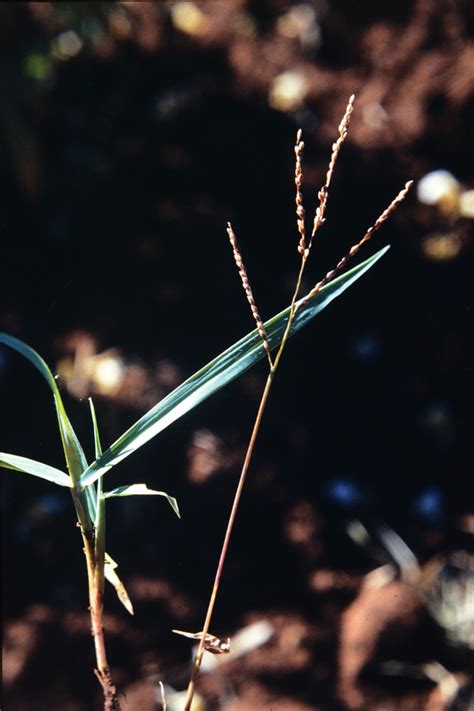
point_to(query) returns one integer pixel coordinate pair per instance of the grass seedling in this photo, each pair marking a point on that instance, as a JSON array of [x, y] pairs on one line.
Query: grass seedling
[[85, 481], [297, 307], [90, 507]]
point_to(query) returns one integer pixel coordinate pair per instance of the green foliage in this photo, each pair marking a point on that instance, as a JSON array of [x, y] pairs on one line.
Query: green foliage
[[30, 466], [73, 452], [141, 490], [220, 371]]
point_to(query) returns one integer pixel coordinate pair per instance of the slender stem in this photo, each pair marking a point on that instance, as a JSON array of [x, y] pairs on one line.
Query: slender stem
[[304, 259], [228, 533], [240, 486], [95, 600], [111, 702], [93, 551]]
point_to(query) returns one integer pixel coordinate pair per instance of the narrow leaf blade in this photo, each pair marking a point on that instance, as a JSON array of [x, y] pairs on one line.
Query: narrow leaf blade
[[31, 466], [97, 442], [142, 490], [220, 371], [98, 504], [73, 452], [100, 509]]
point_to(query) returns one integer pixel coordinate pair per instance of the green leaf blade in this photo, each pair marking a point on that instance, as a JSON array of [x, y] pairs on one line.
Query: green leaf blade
[[220, 371], [100, 509], [99, 503], [142, 490], [31, 466], [97, 442], [73, 452]]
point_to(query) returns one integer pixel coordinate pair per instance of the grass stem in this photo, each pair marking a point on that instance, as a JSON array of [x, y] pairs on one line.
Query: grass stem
[[111, 702]]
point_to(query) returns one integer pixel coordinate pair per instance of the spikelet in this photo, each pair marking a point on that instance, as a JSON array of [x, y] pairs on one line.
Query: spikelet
[[247, 289], [300, 214], [336, 147], [356, 247]]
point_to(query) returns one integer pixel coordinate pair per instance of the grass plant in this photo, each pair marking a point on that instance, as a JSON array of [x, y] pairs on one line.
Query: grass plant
[[296, 308], [85, 481]]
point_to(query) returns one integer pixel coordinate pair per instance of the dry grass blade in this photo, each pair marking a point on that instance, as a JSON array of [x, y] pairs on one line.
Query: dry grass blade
[[356, 247], [213, 644], [336, 147], [247, 289]]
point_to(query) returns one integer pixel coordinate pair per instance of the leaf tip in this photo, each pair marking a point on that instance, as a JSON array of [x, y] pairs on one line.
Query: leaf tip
[[174, 506]]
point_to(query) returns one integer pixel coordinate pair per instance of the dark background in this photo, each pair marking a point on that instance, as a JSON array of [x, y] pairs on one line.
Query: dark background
[[120, 163]]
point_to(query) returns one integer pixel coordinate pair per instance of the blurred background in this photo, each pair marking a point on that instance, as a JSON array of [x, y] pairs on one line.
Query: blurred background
[[130, 132]]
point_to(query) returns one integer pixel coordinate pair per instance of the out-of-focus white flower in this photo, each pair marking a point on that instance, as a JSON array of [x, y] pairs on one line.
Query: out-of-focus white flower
[[300, 22], [67, 44], [436, 185], [441, 247], [439, 188], [466, 204], [288, 91], [108, 372], [189, 18]]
